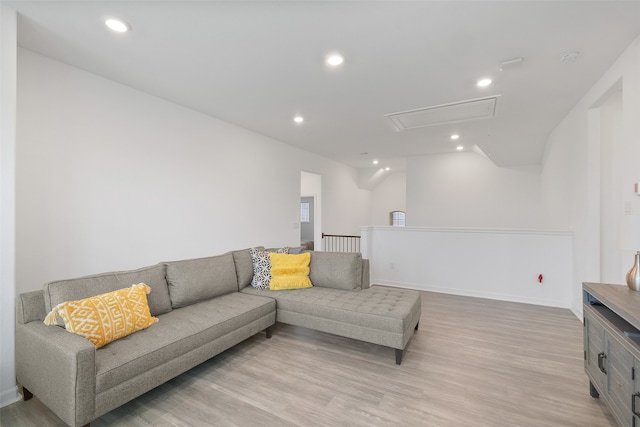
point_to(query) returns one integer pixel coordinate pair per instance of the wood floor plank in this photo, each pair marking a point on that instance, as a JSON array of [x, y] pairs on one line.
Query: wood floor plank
[[473, 362]]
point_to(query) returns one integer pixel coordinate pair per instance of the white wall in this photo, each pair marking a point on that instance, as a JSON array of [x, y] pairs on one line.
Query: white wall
[[111, 178], [350, 206], [8, 37], [389, 195], [499, 264], [467, 190], [573, 169]]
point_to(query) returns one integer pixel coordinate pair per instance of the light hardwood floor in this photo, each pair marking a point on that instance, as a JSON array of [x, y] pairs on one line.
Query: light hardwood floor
[[473, 362]]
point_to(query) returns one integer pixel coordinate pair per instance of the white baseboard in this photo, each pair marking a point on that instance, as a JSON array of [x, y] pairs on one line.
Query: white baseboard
[[7, 397], [578, 312], [476, 294]]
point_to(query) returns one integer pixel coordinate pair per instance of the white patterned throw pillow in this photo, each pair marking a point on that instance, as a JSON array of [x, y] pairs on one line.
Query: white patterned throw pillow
[[262, 267]]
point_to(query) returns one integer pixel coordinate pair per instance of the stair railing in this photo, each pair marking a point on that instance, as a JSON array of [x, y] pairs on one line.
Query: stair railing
[[340, 243]]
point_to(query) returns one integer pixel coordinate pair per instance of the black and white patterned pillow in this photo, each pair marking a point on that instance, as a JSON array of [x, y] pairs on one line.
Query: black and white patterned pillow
[[262, 267]]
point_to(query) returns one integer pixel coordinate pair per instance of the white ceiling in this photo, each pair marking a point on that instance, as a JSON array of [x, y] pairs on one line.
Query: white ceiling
[[257, 64]]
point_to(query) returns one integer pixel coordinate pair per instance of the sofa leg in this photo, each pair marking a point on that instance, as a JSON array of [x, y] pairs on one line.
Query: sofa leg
[[26, 394], [399, 356], [417, 324], [269, 331]]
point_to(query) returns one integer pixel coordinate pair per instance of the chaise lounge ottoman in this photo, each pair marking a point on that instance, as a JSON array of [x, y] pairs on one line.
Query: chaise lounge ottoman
[[342, 303]]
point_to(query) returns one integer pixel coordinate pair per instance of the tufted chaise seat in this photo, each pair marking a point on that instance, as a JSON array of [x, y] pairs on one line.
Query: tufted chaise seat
[[380, 315]]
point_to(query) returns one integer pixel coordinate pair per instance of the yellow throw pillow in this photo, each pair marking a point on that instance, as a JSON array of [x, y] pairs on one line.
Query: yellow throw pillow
[[289, 271], [106, 317]]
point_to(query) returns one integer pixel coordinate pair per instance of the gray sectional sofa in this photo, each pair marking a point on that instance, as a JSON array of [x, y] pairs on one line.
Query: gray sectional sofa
[[204, 307]]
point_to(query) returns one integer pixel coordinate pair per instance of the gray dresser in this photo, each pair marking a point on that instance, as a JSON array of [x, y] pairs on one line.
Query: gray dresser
[[612, 348]]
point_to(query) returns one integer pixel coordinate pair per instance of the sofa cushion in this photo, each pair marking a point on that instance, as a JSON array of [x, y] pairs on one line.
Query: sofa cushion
[[379, 307], [195, 280], [338, 270], [262, 266], [107, 317], [84, 287], [289, 271], [244, 266], [177, 333]]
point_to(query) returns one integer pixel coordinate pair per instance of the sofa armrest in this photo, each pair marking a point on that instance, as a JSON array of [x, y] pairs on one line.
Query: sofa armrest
[[30, 307], [58, 367], [365, 274]]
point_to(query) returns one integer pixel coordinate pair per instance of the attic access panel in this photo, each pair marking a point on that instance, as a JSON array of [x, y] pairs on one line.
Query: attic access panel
[[456, 112]]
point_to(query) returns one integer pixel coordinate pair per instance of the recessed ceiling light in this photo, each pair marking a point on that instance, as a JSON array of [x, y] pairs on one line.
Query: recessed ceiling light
[[484, 82], [298, 119], [335, 60], [387, 168], [455, 136], [459, 148], [375, 162], [117, 25]]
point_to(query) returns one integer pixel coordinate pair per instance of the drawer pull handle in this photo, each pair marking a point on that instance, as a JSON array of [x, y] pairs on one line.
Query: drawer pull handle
[[601, 359], [633, 404]]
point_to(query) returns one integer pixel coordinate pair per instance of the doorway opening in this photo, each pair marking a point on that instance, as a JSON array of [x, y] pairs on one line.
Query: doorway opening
[[307, 221], [310, 211], [607, 118]]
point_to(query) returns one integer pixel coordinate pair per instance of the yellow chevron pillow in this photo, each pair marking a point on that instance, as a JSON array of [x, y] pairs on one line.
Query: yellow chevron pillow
[[289, 271], [106, 317]]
